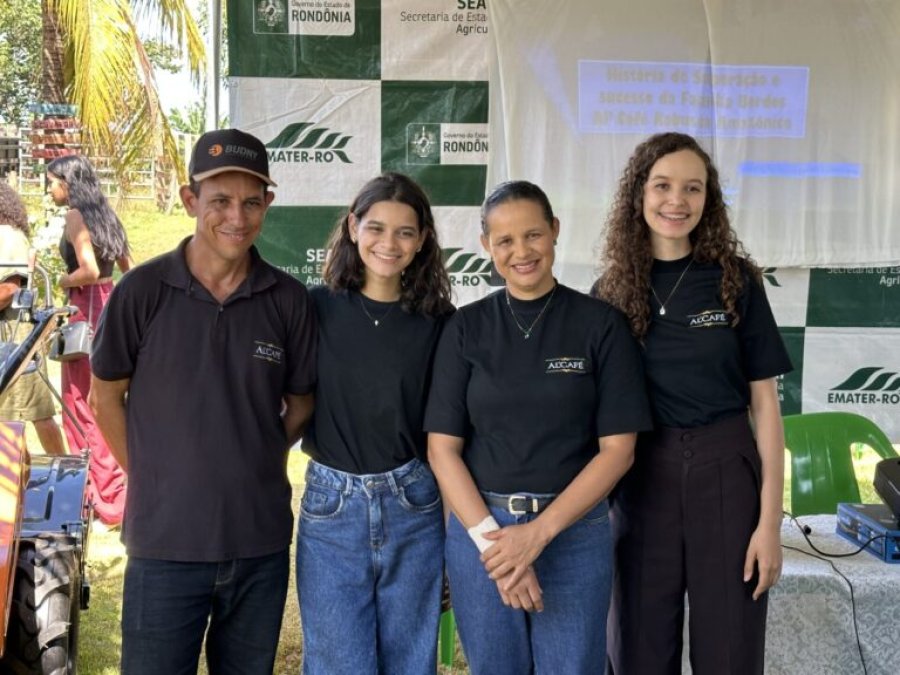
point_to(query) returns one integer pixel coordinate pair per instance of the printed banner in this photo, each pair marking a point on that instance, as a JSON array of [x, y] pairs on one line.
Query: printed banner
[[846, 369], [470, 269], [436, 132], [434, 40], [294, 237], [854, 297], [322, 136], [304, 38]]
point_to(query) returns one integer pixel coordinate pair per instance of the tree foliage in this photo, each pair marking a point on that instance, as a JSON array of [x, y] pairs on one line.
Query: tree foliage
[[20, 57], [108, 73]]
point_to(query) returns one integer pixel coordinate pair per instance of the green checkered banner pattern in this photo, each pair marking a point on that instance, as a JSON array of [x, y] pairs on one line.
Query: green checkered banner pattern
[[461, 94], [341, 90]]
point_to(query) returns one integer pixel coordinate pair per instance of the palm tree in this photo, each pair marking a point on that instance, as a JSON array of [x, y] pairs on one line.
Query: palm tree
[[94, 58]]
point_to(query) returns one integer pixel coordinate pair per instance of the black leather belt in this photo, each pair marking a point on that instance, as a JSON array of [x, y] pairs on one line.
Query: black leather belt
[[518, 504]]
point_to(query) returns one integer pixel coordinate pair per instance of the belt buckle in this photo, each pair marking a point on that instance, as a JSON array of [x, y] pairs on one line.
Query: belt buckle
[[516, 512]]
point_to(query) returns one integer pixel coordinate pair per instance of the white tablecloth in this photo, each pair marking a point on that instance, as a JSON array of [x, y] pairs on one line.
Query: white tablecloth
[[810, 625]]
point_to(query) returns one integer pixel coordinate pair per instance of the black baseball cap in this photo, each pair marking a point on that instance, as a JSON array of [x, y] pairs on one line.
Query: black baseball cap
[[224, 150]]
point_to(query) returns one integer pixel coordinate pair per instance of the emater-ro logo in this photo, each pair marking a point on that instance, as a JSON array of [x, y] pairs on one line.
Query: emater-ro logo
[[305, 143], [872, 385], [469, 269]]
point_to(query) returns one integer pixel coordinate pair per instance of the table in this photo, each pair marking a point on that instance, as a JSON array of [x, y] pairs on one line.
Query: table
[[810, 624]]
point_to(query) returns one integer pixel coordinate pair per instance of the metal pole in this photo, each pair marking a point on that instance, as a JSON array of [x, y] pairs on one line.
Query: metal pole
[[213, 56]]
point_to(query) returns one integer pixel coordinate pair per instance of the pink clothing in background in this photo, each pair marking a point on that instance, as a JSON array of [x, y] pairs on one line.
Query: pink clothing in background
[[107, 479]]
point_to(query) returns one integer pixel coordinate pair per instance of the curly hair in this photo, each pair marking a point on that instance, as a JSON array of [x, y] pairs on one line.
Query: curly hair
[[424, 284], [107, 234], [12, 210], [627, 258]]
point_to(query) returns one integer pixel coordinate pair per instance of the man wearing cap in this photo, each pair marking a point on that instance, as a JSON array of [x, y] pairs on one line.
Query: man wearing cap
[[204, 364]]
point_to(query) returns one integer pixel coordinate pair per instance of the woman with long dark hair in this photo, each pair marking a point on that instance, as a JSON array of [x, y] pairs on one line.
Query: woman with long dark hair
[[700, 511], [370, 532], [93, 242]]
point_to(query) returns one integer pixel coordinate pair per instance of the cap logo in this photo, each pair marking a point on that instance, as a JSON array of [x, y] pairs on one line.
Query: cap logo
[[215, 150]]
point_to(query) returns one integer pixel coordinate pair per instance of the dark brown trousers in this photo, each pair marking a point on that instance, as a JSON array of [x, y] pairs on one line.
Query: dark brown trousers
[[682, 519]]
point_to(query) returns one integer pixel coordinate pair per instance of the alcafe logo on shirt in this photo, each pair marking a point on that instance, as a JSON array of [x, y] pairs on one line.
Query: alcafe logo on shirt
[[709, 318], [268, 352], [567, 364], [871, 385]]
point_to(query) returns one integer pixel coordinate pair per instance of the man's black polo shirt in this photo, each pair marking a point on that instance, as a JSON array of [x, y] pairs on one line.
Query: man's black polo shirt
[[206, 445]]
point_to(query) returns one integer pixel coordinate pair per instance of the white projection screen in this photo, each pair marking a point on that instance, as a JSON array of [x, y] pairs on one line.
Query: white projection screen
[[798, 103]]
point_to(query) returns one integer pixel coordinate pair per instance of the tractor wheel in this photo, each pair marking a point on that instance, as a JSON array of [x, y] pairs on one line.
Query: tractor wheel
[[43, 621]]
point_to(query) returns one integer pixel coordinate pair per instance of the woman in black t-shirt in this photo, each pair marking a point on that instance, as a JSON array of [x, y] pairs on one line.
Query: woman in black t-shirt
[[536, 397], [370, 533], [700, 511]]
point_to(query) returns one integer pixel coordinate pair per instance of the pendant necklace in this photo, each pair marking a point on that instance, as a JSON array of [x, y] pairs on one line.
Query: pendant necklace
[[662, 305], [526, 332], [375, 320]]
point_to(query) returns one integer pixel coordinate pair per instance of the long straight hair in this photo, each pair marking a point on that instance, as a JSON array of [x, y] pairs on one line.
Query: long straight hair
[[107, 234], [424, 285]]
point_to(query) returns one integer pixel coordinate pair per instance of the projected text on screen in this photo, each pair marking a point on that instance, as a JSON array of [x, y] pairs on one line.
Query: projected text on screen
[[643, 97]]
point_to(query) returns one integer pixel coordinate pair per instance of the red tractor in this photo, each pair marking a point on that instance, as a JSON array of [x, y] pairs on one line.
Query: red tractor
[[44, 521]]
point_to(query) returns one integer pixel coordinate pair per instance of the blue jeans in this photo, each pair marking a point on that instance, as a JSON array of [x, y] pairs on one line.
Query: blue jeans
[[167, 606], [569, 636], [369, 571]]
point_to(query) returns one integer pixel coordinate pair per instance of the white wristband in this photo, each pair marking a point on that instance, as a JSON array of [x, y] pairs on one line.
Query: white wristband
[[476, 533]]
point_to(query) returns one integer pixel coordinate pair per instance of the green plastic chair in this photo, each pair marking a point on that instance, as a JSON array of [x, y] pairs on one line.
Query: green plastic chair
[[822, 473], [447, 638]]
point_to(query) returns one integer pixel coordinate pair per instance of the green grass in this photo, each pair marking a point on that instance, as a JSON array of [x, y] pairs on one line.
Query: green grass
[[100, 640]]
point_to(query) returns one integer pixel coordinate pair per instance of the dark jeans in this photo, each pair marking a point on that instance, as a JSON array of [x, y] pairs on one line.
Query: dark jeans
[[167, 607], [682, 519]]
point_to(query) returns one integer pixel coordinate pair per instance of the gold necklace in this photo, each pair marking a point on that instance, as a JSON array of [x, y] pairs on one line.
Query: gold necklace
[[526, 332], [662, 305]]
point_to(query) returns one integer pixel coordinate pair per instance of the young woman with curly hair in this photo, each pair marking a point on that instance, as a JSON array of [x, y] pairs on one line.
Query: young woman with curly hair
[[370, 533], [93, 242], [700, 511]]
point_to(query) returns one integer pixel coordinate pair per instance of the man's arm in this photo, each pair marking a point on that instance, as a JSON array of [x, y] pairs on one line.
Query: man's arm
[[107, 400], [297, 412]]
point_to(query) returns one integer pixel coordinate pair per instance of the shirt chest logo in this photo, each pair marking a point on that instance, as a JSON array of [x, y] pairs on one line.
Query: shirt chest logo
[[577, 365], [268, 352], [710, 318]]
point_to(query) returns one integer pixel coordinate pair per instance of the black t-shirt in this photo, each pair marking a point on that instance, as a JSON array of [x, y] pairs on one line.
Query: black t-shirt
[[531, 410], [370, 399], [67, 252], [699, 367], [206, 443]]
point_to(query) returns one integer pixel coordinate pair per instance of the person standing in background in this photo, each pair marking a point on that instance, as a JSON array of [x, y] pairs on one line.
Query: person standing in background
[[93, 242], [29, 398], [700, 511], [370, 534]]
